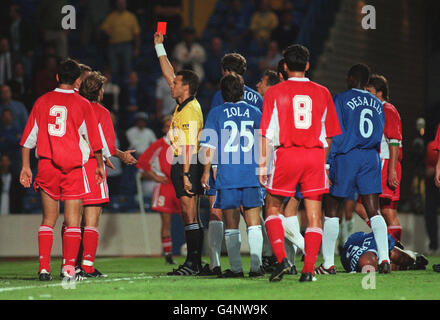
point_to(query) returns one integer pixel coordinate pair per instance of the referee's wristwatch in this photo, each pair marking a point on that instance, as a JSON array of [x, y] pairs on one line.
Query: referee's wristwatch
[[187, 174]]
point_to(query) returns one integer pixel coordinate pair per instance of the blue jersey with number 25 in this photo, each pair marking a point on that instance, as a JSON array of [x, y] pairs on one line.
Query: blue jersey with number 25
[[362, 120], [231, 129]]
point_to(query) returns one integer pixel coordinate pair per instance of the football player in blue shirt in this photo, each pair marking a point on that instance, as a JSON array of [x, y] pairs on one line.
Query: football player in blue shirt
[[230, 129], [355, 166], [359, 254], [236, 63]]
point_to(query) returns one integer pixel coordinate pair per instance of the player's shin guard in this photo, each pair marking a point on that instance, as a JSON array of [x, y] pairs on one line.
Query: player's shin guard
[[275, 233], [233, 245], [255, 239], [90, 245], [313, 238], [329, 238], [71, 243], [45, 241], [381, 236], [395, 232], [215, 238], [291, 225]]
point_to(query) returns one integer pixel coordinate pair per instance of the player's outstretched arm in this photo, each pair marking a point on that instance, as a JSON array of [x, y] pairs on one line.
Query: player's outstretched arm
[[26, 172], [437, 172], [208, 155], [262, 163], [126, 157], [165, 65]]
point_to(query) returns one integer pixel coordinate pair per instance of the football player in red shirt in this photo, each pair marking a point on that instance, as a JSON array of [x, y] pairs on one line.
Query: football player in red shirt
[[92, 88], [390, 155], [299, 120], [55, 126], [153, 165]]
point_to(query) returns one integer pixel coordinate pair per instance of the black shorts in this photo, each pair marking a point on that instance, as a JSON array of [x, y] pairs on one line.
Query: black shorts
[[195, 170]]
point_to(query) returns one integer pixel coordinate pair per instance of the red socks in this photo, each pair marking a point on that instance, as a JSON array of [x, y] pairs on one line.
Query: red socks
[[167, 245], [71, 242], [275, 233], [45, 240], [90, 245], [395, 232], [312, 239]]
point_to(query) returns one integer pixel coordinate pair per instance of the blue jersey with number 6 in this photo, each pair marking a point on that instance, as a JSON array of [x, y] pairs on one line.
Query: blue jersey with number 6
[[362, 120], [231, 130]]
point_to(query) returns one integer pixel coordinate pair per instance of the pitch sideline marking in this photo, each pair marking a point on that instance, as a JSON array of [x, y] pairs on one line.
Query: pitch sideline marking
[[77, 282]]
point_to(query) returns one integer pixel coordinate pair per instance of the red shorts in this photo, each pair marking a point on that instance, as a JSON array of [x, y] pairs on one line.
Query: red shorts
[[98, 192], [164, 199], [387, 192], [298, 166], [73, 185]]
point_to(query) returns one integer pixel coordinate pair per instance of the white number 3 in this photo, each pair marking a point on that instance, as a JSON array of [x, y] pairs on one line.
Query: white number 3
[[59, 128], [302, 110]]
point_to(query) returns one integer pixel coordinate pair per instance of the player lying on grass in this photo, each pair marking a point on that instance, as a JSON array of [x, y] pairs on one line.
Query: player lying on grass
[[360, 251]]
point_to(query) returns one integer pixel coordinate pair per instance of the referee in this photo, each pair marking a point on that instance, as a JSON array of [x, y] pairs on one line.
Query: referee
[[186, 171]]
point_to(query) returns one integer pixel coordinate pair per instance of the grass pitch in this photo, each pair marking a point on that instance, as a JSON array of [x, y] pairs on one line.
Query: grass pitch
[[145, 279]]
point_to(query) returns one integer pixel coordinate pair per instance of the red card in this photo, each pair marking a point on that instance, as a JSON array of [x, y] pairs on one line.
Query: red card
[[162, 28]]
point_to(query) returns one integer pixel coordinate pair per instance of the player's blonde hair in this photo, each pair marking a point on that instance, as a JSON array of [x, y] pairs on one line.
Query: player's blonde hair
[[92, 85]]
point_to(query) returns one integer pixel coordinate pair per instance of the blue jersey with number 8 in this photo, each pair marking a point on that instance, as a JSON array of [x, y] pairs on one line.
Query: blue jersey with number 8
[[362, 120], [231, 130]]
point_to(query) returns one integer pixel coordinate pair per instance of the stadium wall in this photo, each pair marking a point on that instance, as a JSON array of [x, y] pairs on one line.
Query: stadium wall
[[139, 235]]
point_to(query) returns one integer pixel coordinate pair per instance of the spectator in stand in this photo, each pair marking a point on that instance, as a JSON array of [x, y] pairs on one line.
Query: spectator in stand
[[132, 100], [111, 92], [235, 24], [165, 104], [432, 202], [46, 78], [19, 112], [189, 54], [20, 86], [95, 13], [9, 135], [263, 22], [213, 65], [139, 136], [287, 32], [273, 56], [49, 18], [11, 193], [122, 28], [5, 61], [171, 12]]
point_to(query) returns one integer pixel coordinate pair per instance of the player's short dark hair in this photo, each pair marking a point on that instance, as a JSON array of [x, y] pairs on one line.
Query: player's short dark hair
[[232, 87], [68, 71], [281, 70], [296, 57], [84, 69], [92, 85], [190, 78], [380, 83], [360, 73], [272, 77], [234, 62]]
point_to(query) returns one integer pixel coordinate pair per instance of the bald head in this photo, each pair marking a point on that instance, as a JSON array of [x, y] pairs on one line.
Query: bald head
[[368, 259]]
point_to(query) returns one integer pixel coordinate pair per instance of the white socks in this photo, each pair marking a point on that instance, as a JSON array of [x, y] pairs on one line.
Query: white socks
[[267, 248], [233, 244], [292, 231], [381, 236], [290, 251], [329, 237], [346, 230], [215, 238], [255, 239]]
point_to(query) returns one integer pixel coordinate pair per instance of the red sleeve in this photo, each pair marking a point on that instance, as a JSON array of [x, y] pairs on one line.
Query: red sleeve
[[431, 155], [30, 133], [109, 132], [268, 112], [437, 139], [92, 127], [145, 160], [332, 126], [393, 125]]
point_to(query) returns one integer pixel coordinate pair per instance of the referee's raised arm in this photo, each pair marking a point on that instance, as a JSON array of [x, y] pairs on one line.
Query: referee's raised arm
[[165, 65]]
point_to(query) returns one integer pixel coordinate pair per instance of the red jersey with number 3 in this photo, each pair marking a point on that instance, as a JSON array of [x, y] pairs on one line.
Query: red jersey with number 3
[[56, 125], [299, 112]]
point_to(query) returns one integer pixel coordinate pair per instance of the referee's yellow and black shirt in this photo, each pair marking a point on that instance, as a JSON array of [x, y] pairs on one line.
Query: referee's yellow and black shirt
[[186, 124]]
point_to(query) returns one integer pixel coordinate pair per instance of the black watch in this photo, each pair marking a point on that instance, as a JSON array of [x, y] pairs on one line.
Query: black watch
[[187, 174]]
